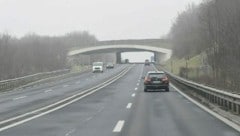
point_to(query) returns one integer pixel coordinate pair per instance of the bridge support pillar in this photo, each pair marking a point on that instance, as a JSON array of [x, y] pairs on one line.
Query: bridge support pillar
[[155, 57], [118, 58], [159, 58]]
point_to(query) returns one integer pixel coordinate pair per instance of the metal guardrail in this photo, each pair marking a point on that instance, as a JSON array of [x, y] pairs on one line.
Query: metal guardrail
[[13, 83], [225, 100], [40, 111]]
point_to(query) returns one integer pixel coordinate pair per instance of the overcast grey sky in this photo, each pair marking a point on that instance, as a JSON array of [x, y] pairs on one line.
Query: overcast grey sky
[[107, 19]]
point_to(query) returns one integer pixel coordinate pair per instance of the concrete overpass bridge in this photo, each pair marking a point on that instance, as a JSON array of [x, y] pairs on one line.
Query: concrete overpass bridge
[[160, 48], [149, 42]]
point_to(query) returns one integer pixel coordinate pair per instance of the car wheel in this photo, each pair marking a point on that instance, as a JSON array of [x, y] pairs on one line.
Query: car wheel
[[167, 89], [145, 89]]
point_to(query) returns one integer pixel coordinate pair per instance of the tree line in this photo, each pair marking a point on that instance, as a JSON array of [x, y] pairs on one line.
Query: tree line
[[212, 27], [33, 53]]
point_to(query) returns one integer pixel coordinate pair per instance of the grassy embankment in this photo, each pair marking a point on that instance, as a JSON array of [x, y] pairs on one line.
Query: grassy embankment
[[79, 68], [194, 63]]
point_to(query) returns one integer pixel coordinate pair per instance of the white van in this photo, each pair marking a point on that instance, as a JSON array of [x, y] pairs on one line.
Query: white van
[[97, 67]]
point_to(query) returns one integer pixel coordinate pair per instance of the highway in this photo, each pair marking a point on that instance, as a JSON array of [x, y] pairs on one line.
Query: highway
[[120, 108]]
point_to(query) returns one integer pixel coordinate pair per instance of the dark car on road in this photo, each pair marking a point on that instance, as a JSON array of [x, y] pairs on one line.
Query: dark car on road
[[109, 65], [147, 63], [156, 80]]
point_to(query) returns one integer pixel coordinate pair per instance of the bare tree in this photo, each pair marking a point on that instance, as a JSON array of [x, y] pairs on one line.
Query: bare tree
[[213, 27], [32, 53]]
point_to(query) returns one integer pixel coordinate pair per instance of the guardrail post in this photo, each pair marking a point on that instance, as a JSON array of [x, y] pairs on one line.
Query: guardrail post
[[238, 109], [234, 107], [212, 98], [226, 104], [207, 96], [215, 99], [226, 100], [218, 101], [13, 83], [230, 105]]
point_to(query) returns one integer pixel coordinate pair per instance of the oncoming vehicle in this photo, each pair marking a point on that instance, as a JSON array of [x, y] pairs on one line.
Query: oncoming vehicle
[[147, 63], [156, 80], [97, 67], [109, 65]]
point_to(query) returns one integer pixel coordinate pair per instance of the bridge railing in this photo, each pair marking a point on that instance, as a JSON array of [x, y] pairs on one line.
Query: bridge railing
[[13, 83], [209, 95]]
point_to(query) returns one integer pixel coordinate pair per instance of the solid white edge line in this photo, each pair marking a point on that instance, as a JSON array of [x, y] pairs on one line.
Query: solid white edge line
[[1, 122], [115, 78], [119, 126], [216, 115], [129, 105]]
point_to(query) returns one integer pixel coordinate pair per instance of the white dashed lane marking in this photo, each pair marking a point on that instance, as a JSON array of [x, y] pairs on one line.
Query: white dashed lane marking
[[65, 86], [78, 82], [223, 119], [100, 109], [129, 106], [49, 90], [133, 95], [89, 118], [119, 126], [70, 132], [21, 97], [136, 88]]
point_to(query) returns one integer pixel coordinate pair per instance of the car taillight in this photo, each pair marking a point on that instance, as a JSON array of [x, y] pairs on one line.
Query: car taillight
[[165, 80], [147, 79]]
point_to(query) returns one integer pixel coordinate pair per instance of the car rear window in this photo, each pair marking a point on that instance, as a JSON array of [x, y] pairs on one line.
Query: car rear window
[[97, 64], [156, 75]]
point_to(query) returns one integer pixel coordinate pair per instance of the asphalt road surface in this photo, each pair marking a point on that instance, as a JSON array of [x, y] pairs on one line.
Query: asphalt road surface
[[119, 109]]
